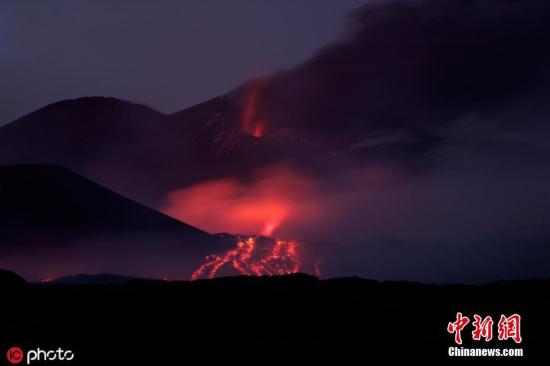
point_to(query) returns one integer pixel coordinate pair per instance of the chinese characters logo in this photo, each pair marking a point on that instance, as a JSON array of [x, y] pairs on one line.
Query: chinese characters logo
[[509, 327]]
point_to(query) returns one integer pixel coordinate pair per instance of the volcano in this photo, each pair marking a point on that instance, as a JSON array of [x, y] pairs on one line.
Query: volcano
[[139, 152], [424, 126]]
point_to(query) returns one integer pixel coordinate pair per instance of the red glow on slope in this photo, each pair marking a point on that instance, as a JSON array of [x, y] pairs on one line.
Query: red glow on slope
[[254, 256], [251, 123], [277, 200], [273, 223]]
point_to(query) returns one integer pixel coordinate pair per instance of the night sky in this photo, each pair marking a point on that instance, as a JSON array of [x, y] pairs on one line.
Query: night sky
[[168, 54]]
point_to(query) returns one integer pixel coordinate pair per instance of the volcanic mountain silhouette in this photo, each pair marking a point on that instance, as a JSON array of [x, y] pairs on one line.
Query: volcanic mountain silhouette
[[405, 73], [55, 222], [134, 150]]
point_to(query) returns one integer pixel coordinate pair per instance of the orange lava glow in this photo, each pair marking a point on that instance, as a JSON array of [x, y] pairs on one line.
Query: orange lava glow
[[251, 123], [278, 201], [254, 256]]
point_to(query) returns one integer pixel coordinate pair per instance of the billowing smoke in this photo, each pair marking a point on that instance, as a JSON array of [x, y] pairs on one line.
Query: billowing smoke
[[425, 134], [277, 200], [414, 67]]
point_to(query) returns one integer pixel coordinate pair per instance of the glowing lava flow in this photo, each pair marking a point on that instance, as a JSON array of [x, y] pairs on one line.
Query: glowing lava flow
[[251, 124], [254, 256]]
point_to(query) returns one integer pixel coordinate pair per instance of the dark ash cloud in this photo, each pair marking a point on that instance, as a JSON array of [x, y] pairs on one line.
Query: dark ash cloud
[[415, 66]]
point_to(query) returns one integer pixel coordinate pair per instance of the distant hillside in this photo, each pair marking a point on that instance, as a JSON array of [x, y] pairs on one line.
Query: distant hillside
[[87, 279], [10, 280], [55, 214]]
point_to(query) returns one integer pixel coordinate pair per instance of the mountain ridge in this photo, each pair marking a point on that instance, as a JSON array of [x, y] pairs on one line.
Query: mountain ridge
[[60, 217]]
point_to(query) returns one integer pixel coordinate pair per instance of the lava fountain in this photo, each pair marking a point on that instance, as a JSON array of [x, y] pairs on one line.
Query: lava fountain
[[252, 123]]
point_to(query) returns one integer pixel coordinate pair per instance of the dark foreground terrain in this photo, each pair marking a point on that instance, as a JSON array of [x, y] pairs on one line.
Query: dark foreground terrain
[[287, 320]]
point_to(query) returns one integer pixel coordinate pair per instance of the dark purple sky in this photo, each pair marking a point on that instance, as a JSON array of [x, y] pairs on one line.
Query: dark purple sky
[[167, 54]]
